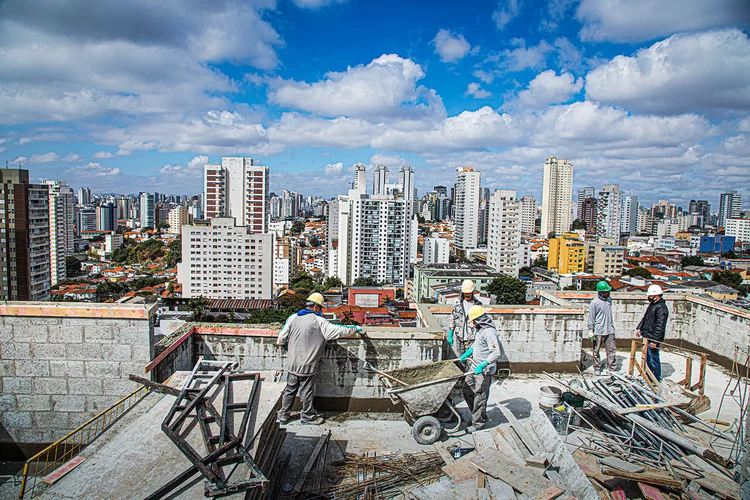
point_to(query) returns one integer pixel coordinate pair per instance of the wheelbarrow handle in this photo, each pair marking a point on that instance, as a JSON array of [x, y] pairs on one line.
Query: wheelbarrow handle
[[383, 374]]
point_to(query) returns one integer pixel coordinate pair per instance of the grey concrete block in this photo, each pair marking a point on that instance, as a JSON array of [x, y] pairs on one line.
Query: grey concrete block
[[97, 404], [17, 385], [66, 368], [119, 387], [66, 334], [79, 418], [51, 420], [20, 350], [32, 368], [48, 351], [44, 321], [133, 335], [142, 353], [7, 402], [102, 369], [84, 352], [33, 403], [7, 368], [85, 386], [68, 403], [126, 369], [50, 385], [31, 436], [116, 352], [6, 334], [17, 419], [98, 333], [30, 333]]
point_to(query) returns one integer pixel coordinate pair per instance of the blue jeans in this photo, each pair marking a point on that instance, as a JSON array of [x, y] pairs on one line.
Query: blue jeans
[[652, 359]]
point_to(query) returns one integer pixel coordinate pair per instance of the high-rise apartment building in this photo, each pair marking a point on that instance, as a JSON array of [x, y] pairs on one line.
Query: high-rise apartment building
[[566, 254], [178, 217], [703, 209], [664, 210], [123, 208], [225, 261], [61, 224], [106, 219], [739, 228], [84, 196], [467, 208], [25, 244], [86, 220], [528, 214], [608, 207], [380, 178], [557, 196], [504, 232], [148, 210], [730, 204], [237, 188], [441, 191], [583, 193], [360, 178], [588, 215], [629, 215], [436, 250]]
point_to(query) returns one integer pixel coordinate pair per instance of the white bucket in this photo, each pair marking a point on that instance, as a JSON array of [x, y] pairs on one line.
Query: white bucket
[[549, 396]]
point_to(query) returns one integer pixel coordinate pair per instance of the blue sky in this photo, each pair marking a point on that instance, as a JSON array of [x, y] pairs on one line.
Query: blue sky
[[137, 95]]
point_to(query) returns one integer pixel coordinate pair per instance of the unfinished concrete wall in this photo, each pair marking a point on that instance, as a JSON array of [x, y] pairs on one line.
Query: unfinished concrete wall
[[173, 353], [61, 364], [534, 337]]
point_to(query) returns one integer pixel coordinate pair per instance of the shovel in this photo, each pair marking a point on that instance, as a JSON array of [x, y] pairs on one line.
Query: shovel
[[367, 366]]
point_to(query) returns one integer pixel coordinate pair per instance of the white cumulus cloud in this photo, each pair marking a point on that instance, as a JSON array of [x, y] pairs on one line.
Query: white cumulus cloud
[[474, 89], [334, 168], [103, 155], [450, 47], [549, 88], [506, 11]]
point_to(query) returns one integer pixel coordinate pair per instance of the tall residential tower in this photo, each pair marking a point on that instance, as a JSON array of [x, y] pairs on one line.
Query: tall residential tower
[[557, 196]]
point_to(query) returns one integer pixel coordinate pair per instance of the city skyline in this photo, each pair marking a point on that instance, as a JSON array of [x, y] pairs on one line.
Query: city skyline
[[660, 109]]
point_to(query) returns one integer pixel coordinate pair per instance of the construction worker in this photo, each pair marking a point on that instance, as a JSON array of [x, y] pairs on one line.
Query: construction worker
[[653, 326], [480, 359], [306, 334], [601, 326], [461, 332]]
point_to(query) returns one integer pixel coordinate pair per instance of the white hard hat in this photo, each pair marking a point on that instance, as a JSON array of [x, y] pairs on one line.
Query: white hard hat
[[654, 290], [317, 299], [467, 286]]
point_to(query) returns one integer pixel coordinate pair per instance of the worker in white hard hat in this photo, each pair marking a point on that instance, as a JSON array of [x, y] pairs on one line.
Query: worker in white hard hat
[[653, 326], [461, 330], [306, 334], [481, 362]]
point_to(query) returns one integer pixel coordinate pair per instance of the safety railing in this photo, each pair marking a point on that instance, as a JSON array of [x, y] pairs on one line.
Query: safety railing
[[64, 449]]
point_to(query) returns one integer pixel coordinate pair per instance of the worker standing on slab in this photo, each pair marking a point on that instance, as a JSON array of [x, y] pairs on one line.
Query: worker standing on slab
[[653, 326], [602, 327], [461, 333], [481, 361], [306, 334]]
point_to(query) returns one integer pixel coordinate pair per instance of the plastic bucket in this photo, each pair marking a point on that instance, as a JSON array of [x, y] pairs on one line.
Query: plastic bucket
[[549, 396], [573, 399]]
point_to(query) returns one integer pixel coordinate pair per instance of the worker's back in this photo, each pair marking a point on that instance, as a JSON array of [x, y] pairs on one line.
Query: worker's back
[[306, 344]]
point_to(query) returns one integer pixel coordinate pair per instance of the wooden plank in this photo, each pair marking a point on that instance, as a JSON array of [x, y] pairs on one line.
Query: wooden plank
[[650, 493], [462, 467], [652, 476], [483, 440], [500, 490], [643, 407], [618, 494], [688, 372], [495, 464], [503, 446], [443, 452], [633, 347], [528, 438], [311, 461], [540, 460], [590, 467], [618, 463], [555, 477], [645, 377], [515, 438], [683, 471], [720, 485], [64, 469]]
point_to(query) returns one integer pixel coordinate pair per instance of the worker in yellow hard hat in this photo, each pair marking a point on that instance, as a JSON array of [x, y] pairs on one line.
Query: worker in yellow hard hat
[[481, 362], [306, 334], [461, 330]]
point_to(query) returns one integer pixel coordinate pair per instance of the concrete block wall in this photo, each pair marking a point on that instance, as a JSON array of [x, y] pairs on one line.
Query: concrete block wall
[[61, 364], [534, 338]]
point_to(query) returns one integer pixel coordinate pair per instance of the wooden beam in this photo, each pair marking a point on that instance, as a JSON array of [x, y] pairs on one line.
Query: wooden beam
[[633, 348], [521, 478], [688, 372], [645, 407]]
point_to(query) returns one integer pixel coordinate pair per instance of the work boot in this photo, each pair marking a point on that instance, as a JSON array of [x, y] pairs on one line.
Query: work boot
[[283, 419], [315, 421]]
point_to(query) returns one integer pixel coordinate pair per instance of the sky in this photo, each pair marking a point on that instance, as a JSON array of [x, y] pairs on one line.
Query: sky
[[137, 95]]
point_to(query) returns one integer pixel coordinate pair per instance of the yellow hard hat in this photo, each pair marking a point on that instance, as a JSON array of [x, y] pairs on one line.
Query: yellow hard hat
[[317, 299], [467, 286], [475, 312]]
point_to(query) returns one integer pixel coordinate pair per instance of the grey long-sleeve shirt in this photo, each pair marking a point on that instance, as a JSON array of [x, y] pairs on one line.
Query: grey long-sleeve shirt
[[487, 346], [600, 316]]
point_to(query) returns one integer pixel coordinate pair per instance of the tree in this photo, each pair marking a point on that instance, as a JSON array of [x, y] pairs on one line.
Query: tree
[[147, 228], [526, 272], [508, 290], [365, 282], [298, 227], [727, 278], [332, 282], [570, 287], [744, 290], [578, 224], [314, 241], [692, 260], [731, 254], [292, 301], [638, 272], [540, 261], [551, 236], [302, 280], [72, 266], [198, 307], [588, 286], [109, 290], [420, 219]]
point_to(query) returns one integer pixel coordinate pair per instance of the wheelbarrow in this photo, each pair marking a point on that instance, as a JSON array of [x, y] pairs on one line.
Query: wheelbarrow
[[424, 392]]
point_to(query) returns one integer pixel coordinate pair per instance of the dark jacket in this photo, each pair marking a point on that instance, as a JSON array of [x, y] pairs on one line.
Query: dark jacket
[[654, 322]]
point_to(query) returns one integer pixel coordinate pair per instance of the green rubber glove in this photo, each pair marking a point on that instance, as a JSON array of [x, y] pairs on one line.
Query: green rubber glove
[[358, 329], [591, 336], [479, 369], [450, 337], [466, 355]]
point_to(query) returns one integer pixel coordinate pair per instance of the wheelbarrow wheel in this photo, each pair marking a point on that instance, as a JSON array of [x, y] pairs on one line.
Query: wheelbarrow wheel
[[426, 430]]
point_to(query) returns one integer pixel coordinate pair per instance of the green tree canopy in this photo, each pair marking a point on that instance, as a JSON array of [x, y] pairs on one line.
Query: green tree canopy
[[72, 266], [314, 241], [366, 282], [298, 227], [578, 224], [727, 278], [198, 307], [526, 272], [292, 301], [692, 260], [638, 272], [332, 282], [540, 261], [508, 290]]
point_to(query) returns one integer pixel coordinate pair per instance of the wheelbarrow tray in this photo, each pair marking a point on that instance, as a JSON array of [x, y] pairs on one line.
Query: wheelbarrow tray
[[429, 385]]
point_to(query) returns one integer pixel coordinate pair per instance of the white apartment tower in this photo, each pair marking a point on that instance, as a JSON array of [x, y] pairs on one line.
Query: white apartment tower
[[61, 223], [504, 236], [178, 217], [436, 250], [84, 196], [467, 208], [528, 214], [148, 210], [360, 178], [380, 179], [225, 261], [730, 203], [608, 218], [237, 188], [557, 196], [629, 215]]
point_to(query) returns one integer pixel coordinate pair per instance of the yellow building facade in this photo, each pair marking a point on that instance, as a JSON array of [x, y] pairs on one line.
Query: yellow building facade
[[566, 254]]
